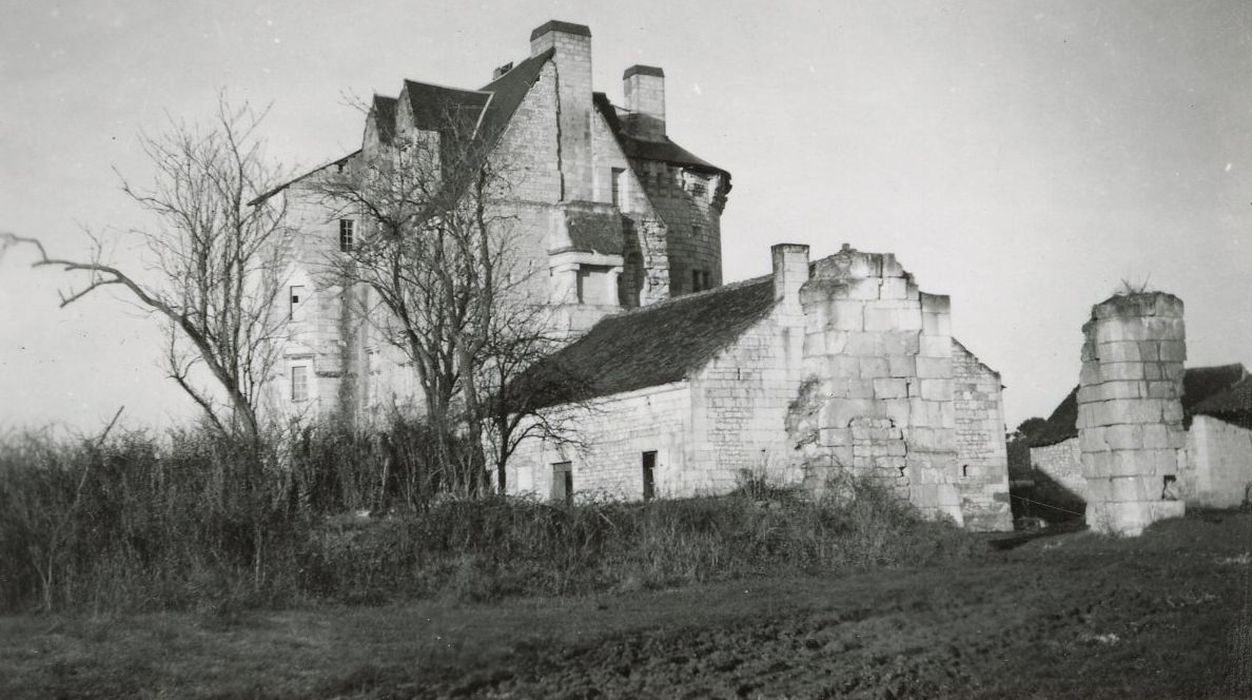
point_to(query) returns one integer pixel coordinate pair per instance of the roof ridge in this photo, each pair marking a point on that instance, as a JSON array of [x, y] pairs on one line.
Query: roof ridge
[[671, 301], [445, 87]]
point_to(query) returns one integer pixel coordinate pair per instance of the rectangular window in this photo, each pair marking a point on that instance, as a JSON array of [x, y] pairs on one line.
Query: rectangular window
[[619, 186], [347, 234], [299, 383], [699, 280], [297, 293], [649, 476], [563, 483], [697, 231]]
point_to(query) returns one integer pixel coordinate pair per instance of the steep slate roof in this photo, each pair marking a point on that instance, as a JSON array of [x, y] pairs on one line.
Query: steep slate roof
[[1198, 385], [507, 93], [384, 115], [655, 345], [1234, 405], [433, 106], [665, 151]]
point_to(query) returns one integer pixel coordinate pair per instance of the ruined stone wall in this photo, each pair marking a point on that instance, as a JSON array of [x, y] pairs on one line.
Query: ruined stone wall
[[982, 454], [1130, 412], [740, 402], [1221, 460], [1062, 463], [616, 432], [880, 402]]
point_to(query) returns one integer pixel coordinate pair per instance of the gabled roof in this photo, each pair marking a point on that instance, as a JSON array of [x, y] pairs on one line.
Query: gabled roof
[[384, 115], [507, 93], [1198, 385], [439, 108], [279, 188], [1233, 405], [663, 150], [651, 346]]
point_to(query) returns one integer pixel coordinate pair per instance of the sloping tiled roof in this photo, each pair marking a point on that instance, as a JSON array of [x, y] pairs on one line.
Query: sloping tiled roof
[[1233, 405], [665, 150], [507, 93], [279, 188], [1198, 385], [434, 107], [384, 116], [646, 347]]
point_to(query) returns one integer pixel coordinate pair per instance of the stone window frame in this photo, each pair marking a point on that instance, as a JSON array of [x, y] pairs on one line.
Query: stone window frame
[[299, 383]]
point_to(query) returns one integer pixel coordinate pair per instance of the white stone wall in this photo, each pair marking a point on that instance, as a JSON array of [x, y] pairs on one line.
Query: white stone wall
[[1221, 458], [612, 435], [740, 401], [1062, 463], [982, 454]]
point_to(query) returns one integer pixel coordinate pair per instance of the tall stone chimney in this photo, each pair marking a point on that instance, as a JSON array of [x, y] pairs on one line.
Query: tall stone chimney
[[791, 270], [644, 88], [571, 44]]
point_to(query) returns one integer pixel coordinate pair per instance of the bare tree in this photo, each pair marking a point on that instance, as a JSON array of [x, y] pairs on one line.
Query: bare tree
[[213, 269], [440, 256]]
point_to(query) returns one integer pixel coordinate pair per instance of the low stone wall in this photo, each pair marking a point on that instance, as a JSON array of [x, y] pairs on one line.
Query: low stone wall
[[1221, 457], [1061, 463]]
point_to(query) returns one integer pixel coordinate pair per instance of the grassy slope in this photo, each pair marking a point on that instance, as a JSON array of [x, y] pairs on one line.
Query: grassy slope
[[1076, 615]]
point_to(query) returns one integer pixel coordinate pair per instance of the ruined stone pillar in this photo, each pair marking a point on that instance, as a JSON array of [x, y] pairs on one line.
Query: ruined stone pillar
[[1130, 411]]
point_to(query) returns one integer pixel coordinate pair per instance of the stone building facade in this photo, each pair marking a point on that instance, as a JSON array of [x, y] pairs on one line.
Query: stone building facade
[[1142, 437], [820, 369], [608, 213]]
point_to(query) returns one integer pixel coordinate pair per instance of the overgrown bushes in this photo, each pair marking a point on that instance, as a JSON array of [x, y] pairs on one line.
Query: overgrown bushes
[[136, 522]]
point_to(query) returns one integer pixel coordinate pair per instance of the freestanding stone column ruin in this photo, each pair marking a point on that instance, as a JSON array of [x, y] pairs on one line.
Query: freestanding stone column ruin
[[1130, 413]]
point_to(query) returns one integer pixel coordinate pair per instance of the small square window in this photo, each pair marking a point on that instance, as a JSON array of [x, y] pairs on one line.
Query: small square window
[[297, 293], [299, 383], [347, 234], [699, 280]]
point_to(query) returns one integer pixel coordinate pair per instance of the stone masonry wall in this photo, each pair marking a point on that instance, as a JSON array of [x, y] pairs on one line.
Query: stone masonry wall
[[982, 454], [880, 401], [740, 402], [1221, 459], [1130, 412], [616, 432], [1062, 463]]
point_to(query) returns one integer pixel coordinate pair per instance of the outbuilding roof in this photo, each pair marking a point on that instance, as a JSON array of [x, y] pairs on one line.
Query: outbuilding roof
[[1199, 384], [651, 346]]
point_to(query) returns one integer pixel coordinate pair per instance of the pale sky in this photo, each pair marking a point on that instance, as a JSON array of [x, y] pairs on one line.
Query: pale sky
[[1023, 157]]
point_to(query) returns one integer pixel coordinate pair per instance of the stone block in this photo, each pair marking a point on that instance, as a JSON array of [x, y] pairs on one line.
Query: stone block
[[1092, 439], [864, 344], [936, 324], [1162, 389], [862, 289], [1173, 350], [901, 365], [1148, 351], [839, 413], [835, 437], [893, 287], [890, 388], [842, 366], [935, 346], [1171, 411], [1152, 371], [1118, 351], [872, 367], [891, 267], [1130, 518], [898, 410], [936, 303], [844, 315], [1122, 437], [900, 342], [1121, 371], [1089, 374], [1172, 371], [934, 368], [936, 389]]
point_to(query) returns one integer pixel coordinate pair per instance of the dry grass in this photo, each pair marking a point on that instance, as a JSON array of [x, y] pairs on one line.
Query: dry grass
[[1069, 616]]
